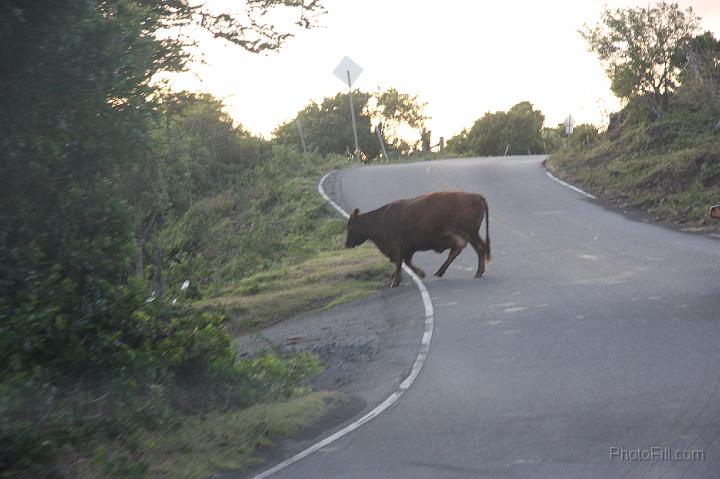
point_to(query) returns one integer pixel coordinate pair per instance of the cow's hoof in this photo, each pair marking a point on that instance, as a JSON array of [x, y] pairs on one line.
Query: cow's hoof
[[420, 273], [394, 285], [478, 274], [439, 273]]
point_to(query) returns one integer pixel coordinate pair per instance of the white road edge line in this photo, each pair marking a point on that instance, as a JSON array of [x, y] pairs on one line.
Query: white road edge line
[[568, 185], [392, 399]]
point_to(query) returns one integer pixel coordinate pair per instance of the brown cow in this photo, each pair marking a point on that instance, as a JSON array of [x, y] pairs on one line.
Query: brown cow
[[435, 221]]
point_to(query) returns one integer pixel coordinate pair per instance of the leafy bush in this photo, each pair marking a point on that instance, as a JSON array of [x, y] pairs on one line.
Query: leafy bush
[[181, 364]]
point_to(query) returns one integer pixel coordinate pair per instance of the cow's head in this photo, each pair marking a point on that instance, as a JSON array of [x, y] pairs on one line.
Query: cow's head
[[355, 231], [715, 212]]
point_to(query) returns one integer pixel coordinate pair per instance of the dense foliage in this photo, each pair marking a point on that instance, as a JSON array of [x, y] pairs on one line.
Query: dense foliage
[[96, 163], [514, 132]]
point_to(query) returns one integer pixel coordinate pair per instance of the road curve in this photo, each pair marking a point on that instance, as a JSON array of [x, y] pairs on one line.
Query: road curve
[[588, 332]]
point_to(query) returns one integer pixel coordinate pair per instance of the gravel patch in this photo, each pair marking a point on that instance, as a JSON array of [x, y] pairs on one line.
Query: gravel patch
[[367, 346]]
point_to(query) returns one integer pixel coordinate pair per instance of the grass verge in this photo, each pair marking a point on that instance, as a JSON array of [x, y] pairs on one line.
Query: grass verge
[[321, 281], [202, 445]]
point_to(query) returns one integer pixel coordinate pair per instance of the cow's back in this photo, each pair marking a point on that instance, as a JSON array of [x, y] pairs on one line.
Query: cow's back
[[427, 221]]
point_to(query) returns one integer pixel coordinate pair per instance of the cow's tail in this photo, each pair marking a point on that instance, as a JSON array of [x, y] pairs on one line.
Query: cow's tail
[[488, 257]]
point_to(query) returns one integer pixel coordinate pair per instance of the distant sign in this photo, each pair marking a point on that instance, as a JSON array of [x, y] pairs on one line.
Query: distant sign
[[569, 125], [346, 65]]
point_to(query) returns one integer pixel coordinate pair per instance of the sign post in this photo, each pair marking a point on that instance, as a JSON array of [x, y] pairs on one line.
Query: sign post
[[348, 71], [352, 115]]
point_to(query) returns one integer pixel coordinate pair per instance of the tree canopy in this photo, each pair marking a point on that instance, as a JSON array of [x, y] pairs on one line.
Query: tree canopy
[[640, 48], [515, 132], [396, 111], [327, 126]]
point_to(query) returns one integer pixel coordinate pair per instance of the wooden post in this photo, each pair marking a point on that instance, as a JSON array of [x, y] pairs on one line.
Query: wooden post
[[302, 140], [382, 143]]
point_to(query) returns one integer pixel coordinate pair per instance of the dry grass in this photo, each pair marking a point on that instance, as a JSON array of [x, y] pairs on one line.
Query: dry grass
[[323, 281], [218, 441]]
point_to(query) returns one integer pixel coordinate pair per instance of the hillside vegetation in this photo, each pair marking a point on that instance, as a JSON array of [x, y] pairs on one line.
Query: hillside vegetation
[[661, 152], [141, 229], [669, 167]]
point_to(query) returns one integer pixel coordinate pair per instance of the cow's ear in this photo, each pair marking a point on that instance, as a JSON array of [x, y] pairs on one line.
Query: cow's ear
[[355, 213]]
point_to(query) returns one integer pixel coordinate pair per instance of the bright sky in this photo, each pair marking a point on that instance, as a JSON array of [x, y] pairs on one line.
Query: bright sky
[[463, 58]]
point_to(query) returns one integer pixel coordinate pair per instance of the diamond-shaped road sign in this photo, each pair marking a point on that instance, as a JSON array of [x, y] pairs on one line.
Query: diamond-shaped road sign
[[346, 65]]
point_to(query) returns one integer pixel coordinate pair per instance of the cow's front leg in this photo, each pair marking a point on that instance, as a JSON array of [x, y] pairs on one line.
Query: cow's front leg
[[418, 271], [397, 276]]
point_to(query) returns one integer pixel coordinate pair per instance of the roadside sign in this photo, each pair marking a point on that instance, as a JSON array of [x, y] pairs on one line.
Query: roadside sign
[[348, 71], [569, 125], [345, 67]]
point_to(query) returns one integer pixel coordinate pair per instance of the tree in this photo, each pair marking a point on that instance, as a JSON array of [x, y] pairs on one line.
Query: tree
[[78, 175], [640, 47], [700, 62], [195, 151], [515, 132], [77, 106], [396, 111], [327, 126]]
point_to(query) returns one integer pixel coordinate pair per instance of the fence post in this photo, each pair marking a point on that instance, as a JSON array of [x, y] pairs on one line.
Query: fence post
[[302, 140], [382, 143]]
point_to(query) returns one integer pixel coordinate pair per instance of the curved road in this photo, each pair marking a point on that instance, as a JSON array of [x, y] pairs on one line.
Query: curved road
[[588, 332]]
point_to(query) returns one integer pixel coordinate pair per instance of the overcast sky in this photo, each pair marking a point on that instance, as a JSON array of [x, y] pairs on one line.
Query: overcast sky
[[463, 58]]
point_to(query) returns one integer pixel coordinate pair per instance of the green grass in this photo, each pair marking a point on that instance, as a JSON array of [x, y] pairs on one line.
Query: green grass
[[321, 281], [217, 441], [270, 249]]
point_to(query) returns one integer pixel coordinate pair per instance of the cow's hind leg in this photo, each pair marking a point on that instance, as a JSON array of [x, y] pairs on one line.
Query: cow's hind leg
[[479, 246], [418, 271], [454, 252]]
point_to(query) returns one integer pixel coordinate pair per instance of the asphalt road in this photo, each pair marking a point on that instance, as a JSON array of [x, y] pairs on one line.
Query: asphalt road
[[588, 332]]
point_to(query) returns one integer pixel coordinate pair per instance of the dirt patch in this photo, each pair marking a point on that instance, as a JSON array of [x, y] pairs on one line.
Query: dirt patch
[[367, 347], [364, 344]]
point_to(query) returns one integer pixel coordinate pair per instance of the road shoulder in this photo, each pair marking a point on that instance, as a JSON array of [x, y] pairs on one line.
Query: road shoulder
[[367, 347]]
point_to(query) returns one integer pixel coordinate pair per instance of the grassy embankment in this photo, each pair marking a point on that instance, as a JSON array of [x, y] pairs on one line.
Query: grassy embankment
[[667, 167], [203, 445], [273, 250], [268, 252], [254, 255]]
